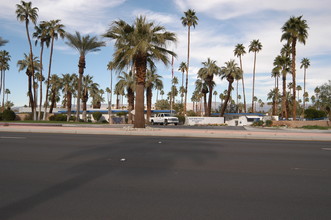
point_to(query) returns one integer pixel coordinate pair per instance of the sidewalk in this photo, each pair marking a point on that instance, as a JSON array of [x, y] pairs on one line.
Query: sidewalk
[[248, 133]]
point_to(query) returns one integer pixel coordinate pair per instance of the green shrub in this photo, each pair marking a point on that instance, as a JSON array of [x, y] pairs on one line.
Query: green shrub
[[181, 119], [311, 113], [258, 123], [268, 123], [97, 115], [8, 115], [58, 117], [1, 116]]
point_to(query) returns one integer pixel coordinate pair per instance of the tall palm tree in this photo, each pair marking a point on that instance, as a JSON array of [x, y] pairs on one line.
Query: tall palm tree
[[25, 64], [305, 63], [126, 81], [139, 44], [255, 47], [276, 74], [189, 19], [69, 82], [295, 30], [230, 71], [239, 51], [152, 78], [207, 74], [110, 66], [3, 42], [183, 69], [7, 92], [26, 13], [298, 88], [41, 34], [4, 65], [55, 30], [84, 45]]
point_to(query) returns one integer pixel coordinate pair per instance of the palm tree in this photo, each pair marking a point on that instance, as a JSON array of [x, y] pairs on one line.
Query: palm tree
[[110, 66], [41, 34], [230, 71], [4, 65], [3, 42], [183, 69], [207, 74], [126, 81], [295, 30], [255, 47], [56, 84], [305, 63], [239, 51], [215, 93], [26, 13], [136, 45], [55, 30], [26, 65], [69, 86], [151, 80], [202, 88], [7, 92], [298, 88], [189, 19], [88, 87], [84, 45]]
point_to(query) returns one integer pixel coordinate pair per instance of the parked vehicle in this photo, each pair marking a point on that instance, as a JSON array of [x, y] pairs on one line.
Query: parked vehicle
[[164, 119]]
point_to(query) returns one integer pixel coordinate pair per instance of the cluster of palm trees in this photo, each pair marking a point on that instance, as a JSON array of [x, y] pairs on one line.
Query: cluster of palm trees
[[294, 30], [4, 65], [136, 49]]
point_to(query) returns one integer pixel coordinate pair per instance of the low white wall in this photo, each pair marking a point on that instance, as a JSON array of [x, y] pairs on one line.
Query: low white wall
[[203, 120]]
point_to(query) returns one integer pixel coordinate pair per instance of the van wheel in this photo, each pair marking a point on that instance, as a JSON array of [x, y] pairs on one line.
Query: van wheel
[[152, 122], [166, 122]]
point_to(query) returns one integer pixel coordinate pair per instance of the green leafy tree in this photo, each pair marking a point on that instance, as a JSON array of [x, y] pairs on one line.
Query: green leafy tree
[[84, 45], [88, 87], [139, 44], [255, 47], [295, 30], [4, 65], [188, 20], [56, 84], [152, 79], [69, 82], [183, 69]]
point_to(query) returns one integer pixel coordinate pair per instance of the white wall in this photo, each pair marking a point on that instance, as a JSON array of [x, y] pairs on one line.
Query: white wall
[[203, 120]]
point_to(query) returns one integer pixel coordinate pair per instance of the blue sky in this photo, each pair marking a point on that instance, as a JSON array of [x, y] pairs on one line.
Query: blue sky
[[222, 25]]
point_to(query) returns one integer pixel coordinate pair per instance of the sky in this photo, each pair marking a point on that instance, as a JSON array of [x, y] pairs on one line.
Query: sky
[[222, 24]]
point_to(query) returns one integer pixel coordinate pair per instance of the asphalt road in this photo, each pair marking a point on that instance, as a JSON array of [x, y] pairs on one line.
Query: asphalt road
[[62, 176]]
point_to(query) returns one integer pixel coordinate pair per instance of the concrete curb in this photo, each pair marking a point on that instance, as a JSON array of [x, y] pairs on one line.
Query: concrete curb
[[253, 133]]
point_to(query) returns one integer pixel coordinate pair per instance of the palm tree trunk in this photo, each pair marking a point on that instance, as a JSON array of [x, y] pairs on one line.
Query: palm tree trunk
[[33, 110], [226, 98], [188, 66], [141, 63], [149, 103], [210, 100], [52, 102], [284, 109], [40, 81], [205, 103], [253, 82], [48, 77], [69, 97], [243, 83], [81, 66], [130, 105], [4, 90], [304, 89], [294, 110]]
